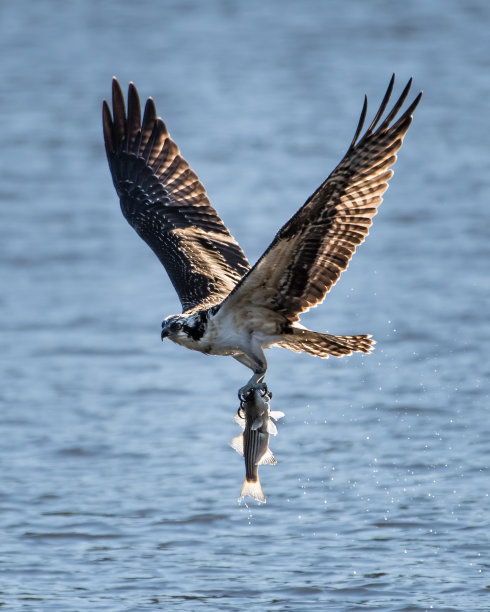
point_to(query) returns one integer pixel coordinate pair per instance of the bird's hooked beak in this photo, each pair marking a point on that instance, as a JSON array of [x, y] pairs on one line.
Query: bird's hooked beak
[[164, 333]]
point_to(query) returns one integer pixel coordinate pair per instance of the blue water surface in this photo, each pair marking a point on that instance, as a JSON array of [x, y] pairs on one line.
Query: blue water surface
[[119, 490]]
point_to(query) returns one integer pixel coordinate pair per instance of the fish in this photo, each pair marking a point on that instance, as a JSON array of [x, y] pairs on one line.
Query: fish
[[254, 417]]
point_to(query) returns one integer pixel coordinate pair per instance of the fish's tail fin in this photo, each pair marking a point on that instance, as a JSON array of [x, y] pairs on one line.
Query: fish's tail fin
[[253, 488], [323, 345]]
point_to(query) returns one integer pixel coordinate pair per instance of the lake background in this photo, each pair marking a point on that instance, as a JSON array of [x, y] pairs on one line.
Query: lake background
[[118, 490]]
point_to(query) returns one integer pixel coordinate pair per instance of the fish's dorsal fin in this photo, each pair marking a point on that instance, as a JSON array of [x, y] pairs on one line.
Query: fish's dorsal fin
[[237, 444], [271, 428], [268, 458]]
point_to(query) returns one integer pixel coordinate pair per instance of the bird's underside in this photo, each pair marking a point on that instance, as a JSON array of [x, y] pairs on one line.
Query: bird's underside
[[228, 307]]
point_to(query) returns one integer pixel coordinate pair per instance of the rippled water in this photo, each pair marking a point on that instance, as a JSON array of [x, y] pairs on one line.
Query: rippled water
[[118, 488]]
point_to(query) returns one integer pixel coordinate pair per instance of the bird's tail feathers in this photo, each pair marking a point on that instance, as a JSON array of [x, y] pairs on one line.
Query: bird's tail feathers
[[324, 345]]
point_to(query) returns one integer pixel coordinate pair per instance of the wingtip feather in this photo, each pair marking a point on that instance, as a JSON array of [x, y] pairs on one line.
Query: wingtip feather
[[107, 127], [119, 115], [360, 124], [134, 120]]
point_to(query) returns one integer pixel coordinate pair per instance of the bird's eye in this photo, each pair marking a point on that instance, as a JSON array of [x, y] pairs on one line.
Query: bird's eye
[[175, 327]]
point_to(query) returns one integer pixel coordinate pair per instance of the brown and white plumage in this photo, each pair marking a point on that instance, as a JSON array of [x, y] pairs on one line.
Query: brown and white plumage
[[314, 247], [164, 201], [230, 308]]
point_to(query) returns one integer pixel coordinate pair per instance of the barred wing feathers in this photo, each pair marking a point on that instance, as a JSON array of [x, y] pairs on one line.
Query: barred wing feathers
[[315, 246], [164, 201]]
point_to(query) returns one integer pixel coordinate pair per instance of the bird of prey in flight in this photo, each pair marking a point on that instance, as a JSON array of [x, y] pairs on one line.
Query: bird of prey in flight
[[230, 308]]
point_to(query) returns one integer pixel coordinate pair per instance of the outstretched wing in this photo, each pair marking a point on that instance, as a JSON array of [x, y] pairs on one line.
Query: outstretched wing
[[164, 201], [315, 246]]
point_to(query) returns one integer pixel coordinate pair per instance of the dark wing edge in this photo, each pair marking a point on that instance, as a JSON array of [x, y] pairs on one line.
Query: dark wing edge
[[310, 252], [164, 201]]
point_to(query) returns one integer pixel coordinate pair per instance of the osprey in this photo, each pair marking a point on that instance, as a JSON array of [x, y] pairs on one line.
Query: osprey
[[230, 308]]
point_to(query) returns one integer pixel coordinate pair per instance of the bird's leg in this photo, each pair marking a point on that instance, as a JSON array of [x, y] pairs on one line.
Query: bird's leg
[[256, 361], [256, 383]]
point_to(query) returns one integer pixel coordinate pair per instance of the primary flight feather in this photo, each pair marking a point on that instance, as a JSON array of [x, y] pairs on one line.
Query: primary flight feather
[[228, 307]]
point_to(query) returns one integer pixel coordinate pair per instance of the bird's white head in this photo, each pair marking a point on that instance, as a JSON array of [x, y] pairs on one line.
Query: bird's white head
[[173, 327], [184, 329]]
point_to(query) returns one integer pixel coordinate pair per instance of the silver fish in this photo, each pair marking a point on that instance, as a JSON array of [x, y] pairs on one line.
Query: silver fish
[[254, 417]]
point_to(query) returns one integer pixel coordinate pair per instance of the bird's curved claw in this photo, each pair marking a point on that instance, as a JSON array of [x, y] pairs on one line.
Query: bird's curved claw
[[246, 392]]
